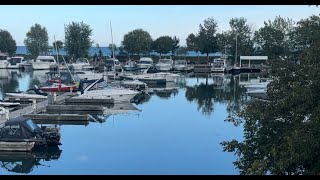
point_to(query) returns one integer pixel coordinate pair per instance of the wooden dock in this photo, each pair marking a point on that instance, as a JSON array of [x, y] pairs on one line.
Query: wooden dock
[[57, 117], [40, 106]]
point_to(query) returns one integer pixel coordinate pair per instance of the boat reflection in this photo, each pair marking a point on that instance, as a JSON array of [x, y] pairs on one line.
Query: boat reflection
[[25, 162]]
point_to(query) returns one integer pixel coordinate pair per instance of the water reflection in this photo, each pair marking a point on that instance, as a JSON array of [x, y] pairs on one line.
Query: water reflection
[[216, 88], [25, 162]]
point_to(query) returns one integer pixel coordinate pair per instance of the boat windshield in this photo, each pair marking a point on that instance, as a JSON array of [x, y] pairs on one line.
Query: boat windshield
[[82, 60], [144, 62], [3, 57], [32, 125], [46, 60], [165, 61]]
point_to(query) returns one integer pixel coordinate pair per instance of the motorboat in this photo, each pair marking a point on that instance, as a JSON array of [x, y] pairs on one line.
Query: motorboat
[[219, 65], [130, 66], [81, 64], [44, 62], [14, 62], [29, 94], [4, 60], [24, 130], [258, 93], [144, 63], [165, 64], [8, 104], [152, 71], [181, 65], [113, 65], [104, 91]]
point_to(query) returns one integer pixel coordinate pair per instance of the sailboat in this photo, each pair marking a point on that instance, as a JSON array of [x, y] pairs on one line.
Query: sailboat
[[57, 86]]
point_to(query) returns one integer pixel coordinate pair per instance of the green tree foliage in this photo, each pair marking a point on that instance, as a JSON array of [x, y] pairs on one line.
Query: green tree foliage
[[58, 44], [114, 47], [182, 51], [78, 40], [7, 43], [281, 135], [273, 37], [306, 32], [193, 43], [207, 36], [240, 35], [165, 44], [37, 40], [137, 41]]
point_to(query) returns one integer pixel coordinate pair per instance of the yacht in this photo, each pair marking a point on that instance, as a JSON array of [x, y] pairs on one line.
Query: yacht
[[130, 66], [104, 91], [14, 62], [113, 65], [144, 62], [44, 62], [165, 64], [4, 60], [81, 64], [181, 65], [219, 65]]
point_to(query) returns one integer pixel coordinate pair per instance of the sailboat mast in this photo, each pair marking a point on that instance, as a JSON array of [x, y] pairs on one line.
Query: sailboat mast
[[112, 41], [56, 48]]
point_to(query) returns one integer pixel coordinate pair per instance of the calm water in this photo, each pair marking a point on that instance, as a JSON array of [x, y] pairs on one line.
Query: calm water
[[176, 132]]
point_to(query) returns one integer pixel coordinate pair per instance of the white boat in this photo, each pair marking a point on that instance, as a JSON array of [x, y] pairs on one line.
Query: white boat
[[258, 93], [29, 94], [182, 65], [120, 108], [130, 66], [8, 104], [219, 65], [135, 84], [144, 62], [26, 65], [261, 85], [4, 60], [14, 62], [113, 65], [89, 75], [147, 78], [44, 62], [107, 92], [164, 64], [166, 75], [81, 64]]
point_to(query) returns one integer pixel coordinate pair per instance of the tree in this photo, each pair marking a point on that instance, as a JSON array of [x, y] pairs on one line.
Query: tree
[[183, 50], [207, 36], [78, 40], [240, 37], [193, 43], [37, 40], [281, 135], [115, 48], [165, 44], [100, 53], [175, 44], [137, 41], [273, 38], [7, 43], [58, 44]]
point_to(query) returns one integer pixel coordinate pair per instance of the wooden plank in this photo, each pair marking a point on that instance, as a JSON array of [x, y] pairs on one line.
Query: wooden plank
[[75, 122], [74, 108], [40, 107], [16, 146], [57, 117], [84, 101]]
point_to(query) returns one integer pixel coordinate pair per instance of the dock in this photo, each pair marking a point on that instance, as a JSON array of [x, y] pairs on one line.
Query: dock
[[40, 106]]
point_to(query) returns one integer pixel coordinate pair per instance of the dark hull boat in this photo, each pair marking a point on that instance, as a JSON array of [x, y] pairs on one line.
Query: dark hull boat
[[22, 134]]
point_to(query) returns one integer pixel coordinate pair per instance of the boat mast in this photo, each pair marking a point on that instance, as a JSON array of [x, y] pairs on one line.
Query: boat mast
[[112, 41], [56, 48]]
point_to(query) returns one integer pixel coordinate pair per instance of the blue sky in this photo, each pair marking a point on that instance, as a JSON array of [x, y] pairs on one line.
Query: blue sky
[[179, 20]]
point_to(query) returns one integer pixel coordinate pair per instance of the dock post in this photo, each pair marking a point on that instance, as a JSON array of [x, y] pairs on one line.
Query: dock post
[[54, 97], [7, 114], [34, 106]]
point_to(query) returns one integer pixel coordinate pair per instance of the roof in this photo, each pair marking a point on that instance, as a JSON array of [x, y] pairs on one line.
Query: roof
[[253, 57], [45, 57]]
